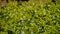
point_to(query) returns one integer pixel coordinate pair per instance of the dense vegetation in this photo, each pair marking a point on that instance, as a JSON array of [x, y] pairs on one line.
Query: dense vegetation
[[33, 17]]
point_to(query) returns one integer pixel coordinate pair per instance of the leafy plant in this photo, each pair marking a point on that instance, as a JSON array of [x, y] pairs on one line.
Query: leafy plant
[[30, 18]]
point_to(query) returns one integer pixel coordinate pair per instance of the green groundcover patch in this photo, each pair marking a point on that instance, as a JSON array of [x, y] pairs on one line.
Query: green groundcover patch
[[30, 18]]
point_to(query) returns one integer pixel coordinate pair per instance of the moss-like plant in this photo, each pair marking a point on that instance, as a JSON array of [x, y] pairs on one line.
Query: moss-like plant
[[30, 18]]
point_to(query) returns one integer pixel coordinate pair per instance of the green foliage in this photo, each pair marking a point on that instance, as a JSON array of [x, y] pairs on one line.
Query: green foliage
[[30, 18]]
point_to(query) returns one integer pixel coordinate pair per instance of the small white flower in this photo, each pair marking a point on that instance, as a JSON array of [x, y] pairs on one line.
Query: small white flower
[[49, 5], [19, 23], [40, 28], [22, 32], [35, 11], [21, 13], [28, 19], [22, 21], [54, 21], [6, 17], [32, 33], [31, 24]]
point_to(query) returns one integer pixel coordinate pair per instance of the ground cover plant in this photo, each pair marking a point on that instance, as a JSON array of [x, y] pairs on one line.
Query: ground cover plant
[[33, 17]]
